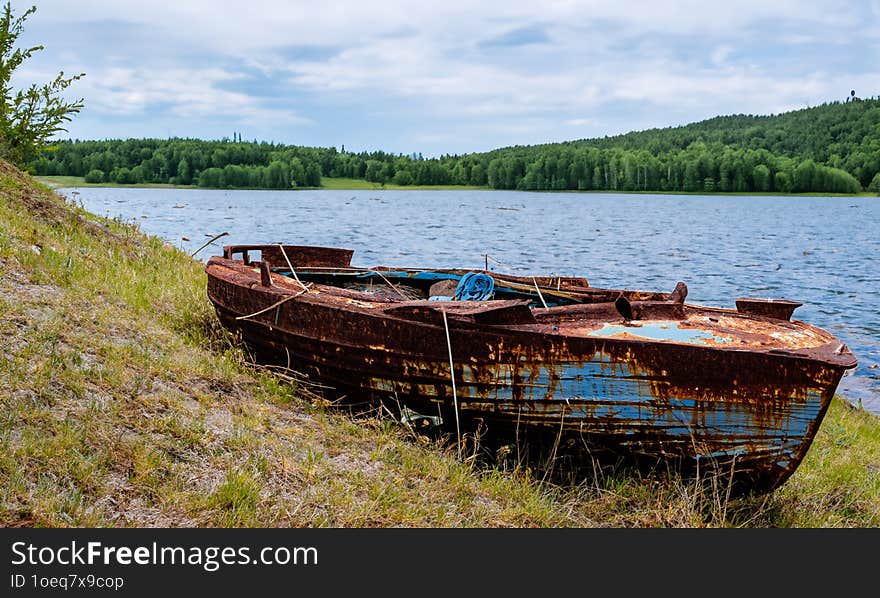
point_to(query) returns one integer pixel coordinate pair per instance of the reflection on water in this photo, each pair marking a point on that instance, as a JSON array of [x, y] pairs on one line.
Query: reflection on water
[[818, 250]]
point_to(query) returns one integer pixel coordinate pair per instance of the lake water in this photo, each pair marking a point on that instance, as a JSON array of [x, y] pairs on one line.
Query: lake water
[[821, 251]]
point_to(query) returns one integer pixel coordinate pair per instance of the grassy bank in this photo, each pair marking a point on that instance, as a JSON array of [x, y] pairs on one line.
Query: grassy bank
[[123, 403], [78, 181], [326, 183]]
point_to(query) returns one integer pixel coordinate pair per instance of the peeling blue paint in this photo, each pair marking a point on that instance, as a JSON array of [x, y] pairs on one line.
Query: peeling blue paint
[[611, 398], [661, 331]]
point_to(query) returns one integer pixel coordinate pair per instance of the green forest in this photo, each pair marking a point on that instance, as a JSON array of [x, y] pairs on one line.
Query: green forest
[[832, 148]]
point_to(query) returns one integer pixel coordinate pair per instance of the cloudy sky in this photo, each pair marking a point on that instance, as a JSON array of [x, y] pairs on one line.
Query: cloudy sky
[[444, 77]]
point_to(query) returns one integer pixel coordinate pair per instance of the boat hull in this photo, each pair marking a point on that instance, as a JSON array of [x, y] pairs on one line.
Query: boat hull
[[751, 413]]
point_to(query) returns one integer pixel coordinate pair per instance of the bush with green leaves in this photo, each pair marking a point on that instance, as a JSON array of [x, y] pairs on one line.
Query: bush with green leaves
[[94, 176], [28, 117], [875, 184]]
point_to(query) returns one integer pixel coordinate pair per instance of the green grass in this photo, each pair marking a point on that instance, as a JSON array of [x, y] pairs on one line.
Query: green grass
[[78, 181], [123, 402], [326, 183], [361, 184]]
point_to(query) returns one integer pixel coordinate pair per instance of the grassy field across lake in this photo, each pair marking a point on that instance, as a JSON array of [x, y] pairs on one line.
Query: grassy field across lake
[[361, 184], [326, 183], [78, 181], [123, 402]]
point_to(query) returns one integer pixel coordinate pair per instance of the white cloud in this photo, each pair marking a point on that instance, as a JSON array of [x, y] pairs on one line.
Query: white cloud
[[185, 93], [453, 86], [581, 122], [720, 54], [427, 62], [237, 28]]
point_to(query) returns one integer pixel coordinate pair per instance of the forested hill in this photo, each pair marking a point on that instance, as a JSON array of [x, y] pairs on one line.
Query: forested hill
[[834, 147], [814, 149]]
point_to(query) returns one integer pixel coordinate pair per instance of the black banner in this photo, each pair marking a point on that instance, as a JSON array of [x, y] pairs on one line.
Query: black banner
[[127, 562]]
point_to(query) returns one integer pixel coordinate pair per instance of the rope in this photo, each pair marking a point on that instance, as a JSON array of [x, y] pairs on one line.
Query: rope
[[452, 377], [289, 265], [364, 270], [475, 286], [396, 290], [499, 262], [540, 296], [262, 311]]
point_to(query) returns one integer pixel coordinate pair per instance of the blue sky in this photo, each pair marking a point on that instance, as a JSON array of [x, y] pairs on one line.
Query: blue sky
[[451, 77]]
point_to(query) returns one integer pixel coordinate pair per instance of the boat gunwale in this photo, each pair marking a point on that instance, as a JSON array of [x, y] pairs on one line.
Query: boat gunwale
[[833, 353]]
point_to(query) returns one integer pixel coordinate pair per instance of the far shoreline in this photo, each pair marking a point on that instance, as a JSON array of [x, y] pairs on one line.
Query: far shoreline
[[347, 184]]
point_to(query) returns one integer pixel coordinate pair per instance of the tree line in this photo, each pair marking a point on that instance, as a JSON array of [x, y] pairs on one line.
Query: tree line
[[834, 147]]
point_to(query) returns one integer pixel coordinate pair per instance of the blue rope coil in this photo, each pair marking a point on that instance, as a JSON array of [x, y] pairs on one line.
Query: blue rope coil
[[475, 286]]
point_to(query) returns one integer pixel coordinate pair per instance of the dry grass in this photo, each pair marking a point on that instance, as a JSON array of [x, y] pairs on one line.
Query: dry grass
[[124, 403]]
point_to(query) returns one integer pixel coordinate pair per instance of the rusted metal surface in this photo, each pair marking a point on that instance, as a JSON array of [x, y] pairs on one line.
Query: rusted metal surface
[[672, 380], [772, 308], [297, 254]]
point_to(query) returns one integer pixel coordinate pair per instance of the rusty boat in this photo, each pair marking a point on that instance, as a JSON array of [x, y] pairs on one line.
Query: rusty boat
[[618, 372]]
